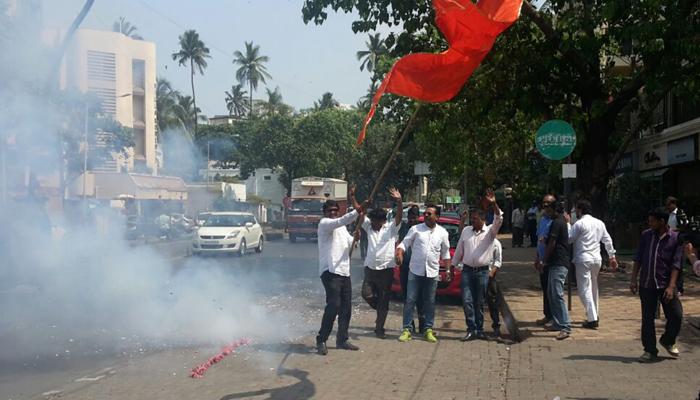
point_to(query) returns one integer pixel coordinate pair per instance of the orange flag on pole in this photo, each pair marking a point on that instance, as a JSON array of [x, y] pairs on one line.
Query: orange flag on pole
[[470, 30]]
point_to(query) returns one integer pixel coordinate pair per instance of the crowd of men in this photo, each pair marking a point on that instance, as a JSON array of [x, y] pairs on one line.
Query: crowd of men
[[562, 242]]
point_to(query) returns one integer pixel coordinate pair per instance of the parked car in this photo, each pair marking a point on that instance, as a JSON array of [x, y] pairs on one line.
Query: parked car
[[449, 281], [228, 232]]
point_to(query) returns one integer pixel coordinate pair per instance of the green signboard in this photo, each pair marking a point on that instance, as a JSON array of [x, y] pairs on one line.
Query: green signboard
[[453, 199], [555, 139]]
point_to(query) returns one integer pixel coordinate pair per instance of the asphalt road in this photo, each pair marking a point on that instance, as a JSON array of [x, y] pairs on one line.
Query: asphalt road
[[284, 278]]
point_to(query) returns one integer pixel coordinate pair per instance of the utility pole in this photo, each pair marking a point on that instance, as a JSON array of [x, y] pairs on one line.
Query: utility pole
[[208, 158], [85, 157]]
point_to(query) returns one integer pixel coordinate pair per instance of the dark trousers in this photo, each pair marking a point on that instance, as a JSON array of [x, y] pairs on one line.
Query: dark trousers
[[532, 231], [544, 279], [673, 310], [376, 290], [404, 288], [492, 303], [338, 298], [517, 236]]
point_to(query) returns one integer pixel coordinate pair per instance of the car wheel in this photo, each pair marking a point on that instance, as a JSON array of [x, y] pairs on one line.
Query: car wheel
[[260, 245], [292, 238], [241, 249]]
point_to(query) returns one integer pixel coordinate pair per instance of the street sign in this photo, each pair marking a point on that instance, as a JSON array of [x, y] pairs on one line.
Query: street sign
[[421, 168], [453, 199], [568, 171], [555, 139]]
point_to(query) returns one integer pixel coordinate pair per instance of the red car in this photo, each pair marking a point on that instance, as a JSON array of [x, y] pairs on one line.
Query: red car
[[450, 281]]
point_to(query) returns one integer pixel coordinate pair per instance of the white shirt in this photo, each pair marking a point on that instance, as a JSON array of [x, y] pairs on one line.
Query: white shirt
[[428, 246], [518, 218], [497, 259], [586, 235], [475, 249], [334, 243], [381, 244], [673, 219]]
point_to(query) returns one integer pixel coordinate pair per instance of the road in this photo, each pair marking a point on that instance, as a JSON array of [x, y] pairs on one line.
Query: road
[[276, 299]]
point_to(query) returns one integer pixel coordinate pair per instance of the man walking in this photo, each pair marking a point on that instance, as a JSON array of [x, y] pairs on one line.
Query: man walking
[[474, 252], [517, 219], [429, 243], [379, 262], [532, 224], [492, 288], [334, 244], [656, 268], [556, 260], [586, 235], [411, 220], [542, 231]]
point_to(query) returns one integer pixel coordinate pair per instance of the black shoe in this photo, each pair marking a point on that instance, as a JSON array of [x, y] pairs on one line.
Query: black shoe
[[496, 334], [321, 348], [346, 345], [590, 325], [468, 337], [380, 334], [481, 336]]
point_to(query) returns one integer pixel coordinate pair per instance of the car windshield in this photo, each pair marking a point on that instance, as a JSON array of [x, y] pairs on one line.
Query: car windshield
[[453, 232], [225, 220], [311, 206]]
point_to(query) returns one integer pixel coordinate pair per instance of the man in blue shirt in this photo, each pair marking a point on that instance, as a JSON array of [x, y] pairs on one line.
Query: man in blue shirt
[[542, 233]]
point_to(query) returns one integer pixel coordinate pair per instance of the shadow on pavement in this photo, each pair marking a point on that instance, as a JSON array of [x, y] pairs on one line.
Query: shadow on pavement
[[624, 360], [303, 389]]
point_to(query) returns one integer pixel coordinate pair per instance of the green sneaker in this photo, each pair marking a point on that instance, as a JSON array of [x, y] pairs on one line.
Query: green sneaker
[[430, 336], [405, 335]]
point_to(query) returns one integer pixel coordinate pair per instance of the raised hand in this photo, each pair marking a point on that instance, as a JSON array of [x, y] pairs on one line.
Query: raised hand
[[395, 194], [490, 196]]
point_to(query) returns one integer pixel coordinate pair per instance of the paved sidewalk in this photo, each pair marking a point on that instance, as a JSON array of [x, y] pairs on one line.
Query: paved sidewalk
[[590, 365]]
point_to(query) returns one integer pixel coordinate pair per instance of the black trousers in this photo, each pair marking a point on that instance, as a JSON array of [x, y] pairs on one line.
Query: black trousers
[[376, 290], [673, 310], [517, 236], [492, 303], [532, 231], [544, 278], [404, 287], [338, 303]]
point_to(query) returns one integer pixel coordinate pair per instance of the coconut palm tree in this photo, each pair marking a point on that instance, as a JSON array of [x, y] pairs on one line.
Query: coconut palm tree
[[125, 27], [184, 112], [252, 69], [274, 104], [236, 101], [192, 50], [166, 106], [375, 49], [326, 101]]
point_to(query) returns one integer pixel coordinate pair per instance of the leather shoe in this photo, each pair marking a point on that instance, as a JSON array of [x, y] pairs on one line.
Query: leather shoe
[[380, 334], [321, 348], [346, 345], [590, 325], [468, 337], [481, 335]]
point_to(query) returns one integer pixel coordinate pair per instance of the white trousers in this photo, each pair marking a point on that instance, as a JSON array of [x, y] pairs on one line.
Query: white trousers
[[587, 287]]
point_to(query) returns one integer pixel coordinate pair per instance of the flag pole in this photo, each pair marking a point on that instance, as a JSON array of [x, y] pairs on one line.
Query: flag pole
[[385, 170]]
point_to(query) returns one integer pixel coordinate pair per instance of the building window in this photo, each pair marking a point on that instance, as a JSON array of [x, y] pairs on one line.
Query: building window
[[139, 105], [139, 142], [267, 178], [138, 68]]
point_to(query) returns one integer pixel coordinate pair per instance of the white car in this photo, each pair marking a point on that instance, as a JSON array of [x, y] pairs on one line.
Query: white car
[[228, 233]]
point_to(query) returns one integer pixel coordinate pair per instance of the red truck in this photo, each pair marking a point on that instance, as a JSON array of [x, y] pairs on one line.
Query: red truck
[[305, 207]]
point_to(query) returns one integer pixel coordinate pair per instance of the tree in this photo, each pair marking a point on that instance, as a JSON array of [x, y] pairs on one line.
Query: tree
[[192, 50], [184, 113], [274, 104], [369, 57], [252, 68], [125, 27], [220, 143], [167, 113], [598, 62], [326, 102], [236, 101]]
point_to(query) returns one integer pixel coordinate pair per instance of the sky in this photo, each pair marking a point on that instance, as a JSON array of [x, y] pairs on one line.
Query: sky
[[305, 60]]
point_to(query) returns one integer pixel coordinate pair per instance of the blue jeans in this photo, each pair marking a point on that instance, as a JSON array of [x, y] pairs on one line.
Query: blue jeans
[[474, 284], [555, 287], [420, 288]]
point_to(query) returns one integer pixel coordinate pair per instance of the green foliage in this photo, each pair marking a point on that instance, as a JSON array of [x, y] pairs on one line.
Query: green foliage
[[252, 68], [326, 102], [631, 198], [219, 143]]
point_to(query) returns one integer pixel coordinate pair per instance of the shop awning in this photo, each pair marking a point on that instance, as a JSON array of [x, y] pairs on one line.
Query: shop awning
[[653, 174]]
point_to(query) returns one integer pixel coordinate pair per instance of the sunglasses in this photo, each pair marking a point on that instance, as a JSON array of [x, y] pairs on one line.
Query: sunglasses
[[427, 213]]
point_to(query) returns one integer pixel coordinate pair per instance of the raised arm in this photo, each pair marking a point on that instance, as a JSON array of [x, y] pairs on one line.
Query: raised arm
[[497, 214], [327, 224], [351, 191], [396, 195]]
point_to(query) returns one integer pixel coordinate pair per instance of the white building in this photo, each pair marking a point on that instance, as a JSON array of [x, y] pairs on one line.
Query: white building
[[121, 72], [264, 183]]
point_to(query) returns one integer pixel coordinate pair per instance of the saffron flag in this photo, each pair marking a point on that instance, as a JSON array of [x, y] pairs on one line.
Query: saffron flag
[[470, 30]]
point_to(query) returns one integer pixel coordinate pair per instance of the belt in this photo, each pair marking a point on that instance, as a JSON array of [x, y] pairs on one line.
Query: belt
[[477, 269]]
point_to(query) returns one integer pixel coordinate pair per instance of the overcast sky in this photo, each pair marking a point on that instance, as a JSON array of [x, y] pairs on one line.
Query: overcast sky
[[305, 60]]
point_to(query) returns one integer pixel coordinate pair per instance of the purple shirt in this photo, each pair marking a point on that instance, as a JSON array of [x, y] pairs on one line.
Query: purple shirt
[[657, 257]]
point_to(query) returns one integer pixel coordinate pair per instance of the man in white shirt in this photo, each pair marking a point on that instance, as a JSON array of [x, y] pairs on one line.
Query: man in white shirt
[[492, 290], [517, 219], [586, 235], [334, 242], [379, 262], [429, 243], [475, 252]]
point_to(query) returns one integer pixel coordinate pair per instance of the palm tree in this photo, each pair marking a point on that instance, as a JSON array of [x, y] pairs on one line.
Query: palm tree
[[366, 100], [375, 49], [125, 27], [236, 101], [251, 70], [184, 111], [274, 104], [166, 106], [326, 102], [192, 49]]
